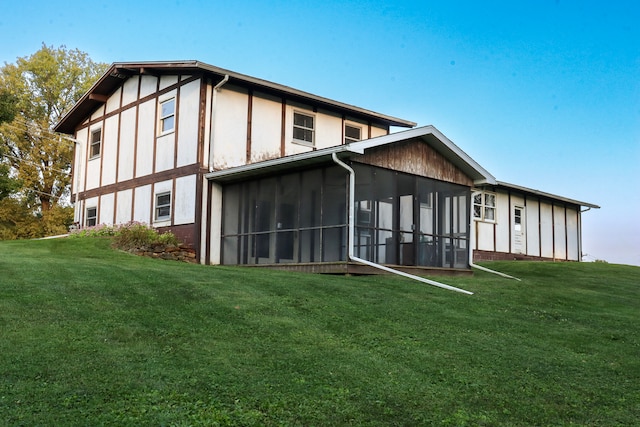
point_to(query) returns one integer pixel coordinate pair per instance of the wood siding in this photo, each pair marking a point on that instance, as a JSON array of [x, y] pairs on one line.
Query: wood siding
[[417, 158]]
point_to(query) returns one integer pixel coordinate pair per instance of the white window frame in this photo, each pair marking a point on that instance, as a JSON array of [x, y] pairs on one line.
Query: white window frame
[[165, 117], [349, 139], [484, 202], [93, 144], [158, 207], [312, 129], [93, 218]]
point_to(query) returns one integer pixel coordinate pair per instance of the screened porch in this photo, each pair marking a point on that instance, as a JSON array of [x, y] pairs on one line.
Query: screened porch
[[301, 217]]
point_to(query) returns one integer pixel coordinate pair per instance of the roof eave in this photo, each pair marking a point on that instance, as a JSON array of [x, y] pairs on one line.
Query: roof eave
[[121, 70], [546, 195]]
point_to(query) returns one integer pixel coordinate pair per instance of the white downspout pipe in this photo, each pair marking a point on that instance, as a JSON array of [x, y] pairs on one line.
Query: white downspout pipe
[[351, 235], [580, 231], [479, 267], [214, 107], [77, 144]]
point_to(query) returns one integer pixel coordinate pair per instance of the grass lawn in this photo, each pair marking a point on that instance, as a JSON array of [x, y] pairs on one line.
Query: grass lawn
[[91, 336]]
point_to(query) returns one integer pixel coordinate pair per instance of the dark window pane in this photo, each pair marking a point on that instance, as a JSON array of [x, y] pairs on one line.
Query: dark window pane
[[91, 220], [164, 199], [95, 149], [351, 132], [303, 120], [164, 211], [303, 134]]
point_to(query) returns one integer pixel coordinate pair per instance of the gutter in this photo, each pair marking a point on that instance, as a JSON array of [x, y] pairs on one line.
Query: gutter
[[216, 89], [351, 235]]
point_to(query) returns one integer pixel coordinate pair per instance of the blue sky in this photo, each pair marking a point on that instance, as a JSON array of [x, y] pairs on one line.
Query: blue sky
[[542, 93]]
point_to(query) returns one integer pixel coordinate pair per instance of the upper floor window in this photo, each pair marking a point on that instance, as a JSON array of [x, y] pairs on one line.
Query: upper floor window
[[96, 141], [163, 206], [352, 134], [91, 217], [168, 115], [484, 206], [303, 128]]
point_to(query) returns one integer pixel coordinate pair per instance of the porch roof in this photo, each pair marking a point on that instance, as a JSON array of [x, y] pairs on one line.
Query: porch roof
[[427, 134]]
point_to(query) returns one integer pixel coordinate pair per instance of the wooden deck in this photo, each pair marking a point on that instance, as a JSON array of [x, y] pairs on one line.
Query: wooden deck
[[361, 269]]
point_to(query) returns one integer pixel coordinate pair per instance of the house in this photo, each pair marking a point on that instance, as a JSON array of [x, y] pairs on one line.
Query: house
[[252, 172]]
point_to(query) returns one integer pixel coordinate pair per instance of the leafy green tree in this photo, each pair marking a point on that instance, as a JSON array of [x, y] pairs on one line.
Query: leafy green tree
[[38, 90], [7, 106], [7, 114]]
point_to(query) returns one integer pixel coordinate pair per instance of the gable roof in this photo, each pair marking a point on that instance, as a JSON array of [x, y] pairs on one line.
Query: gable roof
[[120, 71], [426, 134]]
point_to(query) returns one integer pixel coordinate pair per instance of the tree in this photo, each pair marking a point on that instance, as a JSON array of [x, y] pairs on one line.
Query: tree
[[7, 106], [38, 90], [8, 185]]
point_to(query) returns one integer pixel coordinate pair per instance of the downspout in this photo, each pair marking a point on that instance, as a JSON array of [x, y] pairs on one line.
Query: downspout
[[216, 89], [76, 144], [351, 235], [479, 267], [581, 255]]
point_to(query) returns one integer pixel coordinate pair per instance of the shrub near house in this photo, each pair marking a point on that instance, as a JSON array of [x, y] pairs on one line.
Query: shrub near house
[[140, 239]]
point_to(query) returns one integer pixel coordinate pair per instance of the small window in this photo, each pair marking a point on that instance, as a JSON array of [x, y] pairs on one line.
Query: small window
[[92, 217], [303, 128], [96, 141], [163, 206], [484, 206], [352, 134], [168, 115]]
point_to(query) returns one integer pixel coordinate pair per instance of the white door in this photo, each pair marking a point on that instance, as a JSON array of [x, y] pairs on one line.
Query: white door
[[519, 237]]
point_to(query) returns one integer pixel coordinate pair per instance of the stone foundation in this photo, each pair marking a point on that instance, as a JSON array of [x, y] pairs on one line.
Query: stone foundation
[[180, 252]]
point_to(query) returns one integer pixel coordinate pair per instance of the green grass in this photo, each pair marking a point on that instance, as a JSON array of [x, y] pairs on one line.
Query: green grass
[[90, 336]]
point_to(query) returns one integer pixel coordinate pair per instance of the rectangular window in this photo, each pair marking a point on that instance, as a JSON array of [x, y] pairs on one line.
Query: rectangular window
[[96, 141], [92, 217], [484, 206], [352, 134], [303, 128], [163, 206], [168, 115]]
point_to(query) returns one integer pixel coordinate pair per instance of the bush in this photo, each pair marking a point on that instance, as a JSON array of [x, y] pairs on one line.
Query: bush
[[128, 236], [101, 230], [135, 235]]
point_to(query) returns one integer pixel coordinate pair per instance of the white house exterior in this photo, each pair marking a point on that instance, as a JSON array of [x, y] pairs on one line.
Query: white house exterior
[[166, 142], [514, 222]]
